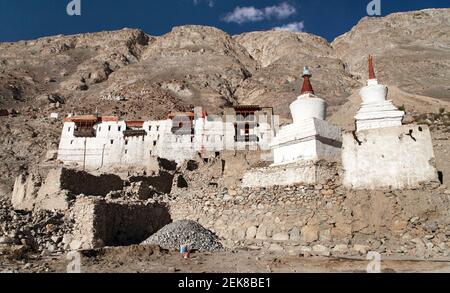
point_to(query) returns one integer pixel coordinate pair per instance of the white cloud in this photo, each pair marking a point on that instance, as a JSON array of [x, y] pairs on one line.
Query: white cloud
[[242, 15], [281, 11], [292, 27], [210, 3]]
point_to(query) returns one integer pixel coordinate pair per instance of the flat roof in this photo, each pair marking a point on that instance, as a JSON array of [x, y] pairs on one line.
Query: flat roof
[[91, 118]]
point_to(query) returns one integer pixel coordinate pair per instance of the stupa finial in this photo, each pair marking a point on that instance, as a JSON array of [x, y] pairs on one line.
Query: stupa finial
[[307, 87]]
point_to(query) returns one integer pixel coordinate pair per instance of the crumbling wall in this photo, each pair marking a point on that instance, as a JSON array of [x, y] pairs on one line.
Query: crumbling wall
[[80, 182], [59, 187], [224, 169], [161, 183], [394, 157], [25, 191], [308, 172], [100, 222]]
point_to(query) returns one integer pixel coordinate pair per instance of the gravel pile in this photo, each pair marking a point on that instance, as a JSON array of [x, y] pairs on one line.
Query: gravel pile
[[185, 232]]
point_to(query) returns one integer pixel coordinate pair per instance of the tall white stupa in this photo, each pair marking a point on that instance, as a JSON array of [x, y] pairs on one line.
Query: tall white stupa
[[376, 111], [309, 137]]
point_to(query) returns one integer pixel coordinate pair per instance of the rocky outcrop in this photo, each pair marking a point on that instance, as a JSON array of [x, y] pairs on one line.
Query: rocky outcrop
[[409, 48], [281, 57]]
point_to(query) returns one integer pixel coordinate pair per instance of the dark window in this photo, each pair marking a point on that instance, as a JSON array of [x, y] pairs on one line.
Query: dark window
[[109, 128], [126, 151], [157, 128], [68, 130], [150, 128], [126, 142], [112, 141], [154, 143], [119, 128]]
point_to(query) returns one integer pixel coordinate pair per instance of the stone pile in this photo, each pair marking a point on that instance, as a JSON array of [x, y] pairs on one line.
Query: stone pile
[[188, 233], [45, 233]]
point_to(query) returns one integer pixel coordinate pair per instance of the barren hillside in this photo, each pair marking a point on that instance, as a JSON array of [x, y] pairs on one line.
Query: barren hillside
[[412, 50]]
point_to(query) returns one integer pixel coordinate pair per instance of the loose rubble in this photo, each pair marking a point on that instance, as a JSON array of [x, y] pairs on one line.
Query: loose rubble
[[42, 232]]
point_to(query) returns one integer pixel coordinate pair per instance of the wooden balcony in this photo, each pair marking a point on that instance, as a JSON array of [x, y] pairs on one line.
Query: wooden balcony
[[134, 132]]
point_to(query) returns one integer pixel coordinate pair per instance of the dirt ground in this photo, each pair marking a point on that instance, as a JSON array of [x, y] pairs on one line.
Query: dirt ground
[[147, 259]]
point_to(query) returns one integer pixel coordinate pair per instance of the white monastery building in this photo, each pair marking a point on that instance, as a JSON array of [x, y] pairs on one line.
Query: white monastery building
[[97, 142]]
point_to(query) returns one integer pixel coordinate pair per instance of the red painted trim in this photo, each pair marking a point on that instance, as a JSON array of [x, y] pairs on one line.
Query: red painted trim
[[307, 87], [134, 123], [371, 69]]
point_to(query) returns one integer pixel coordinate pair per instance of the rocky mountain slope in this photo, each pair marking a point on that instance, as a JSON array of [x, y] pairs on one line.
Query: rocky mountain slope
[[412, 50], [134, 75], [281, 57]]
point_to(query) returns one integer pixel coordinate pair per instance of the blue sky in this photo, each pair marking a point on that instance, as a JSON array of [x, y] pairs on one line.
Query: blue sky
[[29, 19]]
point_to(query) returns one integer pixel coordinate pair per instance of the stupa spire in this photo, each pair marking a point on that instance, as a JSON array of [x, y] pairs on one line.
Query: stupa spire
[[307, 87], [371, 68]]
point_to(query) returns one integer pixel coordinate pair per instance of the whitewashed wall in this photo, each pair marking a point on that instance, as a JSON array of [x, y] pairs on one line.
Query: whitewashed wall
[[111, 149], [388, 158], [309, 139]]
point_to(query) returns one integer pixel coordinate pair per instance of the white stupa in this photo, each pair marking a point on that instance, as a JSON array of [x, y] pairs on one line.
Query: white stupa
[[309, 137], [376, 111]]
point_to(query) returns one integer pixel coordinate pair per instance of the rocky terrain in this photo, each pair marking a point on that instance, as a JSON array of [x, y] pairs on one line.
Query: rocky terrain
[[136, 76]]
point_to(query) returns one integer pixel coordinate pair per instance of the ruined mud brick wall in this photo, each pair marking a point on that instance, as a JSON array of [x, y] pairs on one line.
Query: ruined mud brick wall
[[309, 172], [100, 222], [59, 187], [79, 182], [324, 219], [62, 186], [394, 157], [161, 183]]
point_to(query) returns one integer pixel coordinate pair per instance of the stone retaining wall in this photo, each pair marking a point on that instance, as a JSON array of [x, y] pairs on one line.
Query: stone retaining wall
[[324, 219]]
